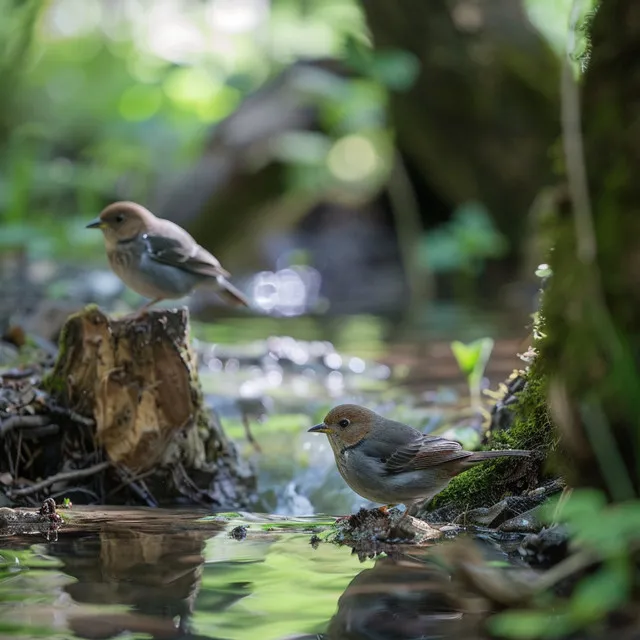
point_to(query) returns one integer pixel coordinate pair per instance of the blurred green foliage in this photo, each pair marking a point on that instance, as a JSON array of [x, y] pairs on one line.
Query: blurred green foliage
[[101, 102], [465, 243], [603, 535], [462, 247], [564, 24]]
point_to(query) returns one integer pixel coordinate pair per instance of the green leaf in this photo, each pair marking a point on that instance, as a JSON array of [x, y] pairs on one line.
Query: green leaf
[[525, 625], [551, 19], [582, 507], [601, 593], [396, 69], [472, 357], [464, 243]]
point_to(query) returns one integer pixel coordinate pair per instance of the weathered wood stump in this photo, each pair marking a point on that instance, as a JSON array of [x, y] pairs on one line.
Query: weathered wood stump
[[137, 379]]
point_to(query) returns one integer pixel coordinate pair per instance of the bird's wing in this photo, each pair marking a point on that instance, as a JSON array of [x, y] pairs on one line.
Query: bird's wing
[[182, 251], [424, 452]]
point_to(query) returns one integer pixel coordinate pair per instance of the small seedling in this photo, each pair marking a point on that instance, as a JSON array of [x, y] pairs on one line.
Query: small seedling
[[472, 358]]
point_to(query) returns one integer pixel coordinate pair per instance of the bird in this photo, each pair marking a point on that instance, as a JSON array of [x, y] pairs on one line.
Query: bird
[[157, 258], [392, 463]]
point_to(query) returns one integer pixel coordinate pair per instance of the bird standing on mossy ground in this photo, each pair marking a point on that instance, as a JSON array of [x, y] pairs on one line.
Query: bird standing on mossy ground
[[392, 463], [157, 258]]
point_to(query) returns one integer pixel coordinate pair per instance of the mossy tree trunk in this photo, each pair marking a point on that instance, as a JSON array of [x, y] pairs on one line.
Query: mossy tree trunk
[[478, 122], [592, 307]]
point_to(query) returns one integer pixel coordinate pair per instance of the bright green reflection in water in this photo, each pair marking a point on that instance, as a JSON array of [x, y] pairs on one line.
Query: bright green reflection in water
[[140, 572], [27, 579], [284, 587]]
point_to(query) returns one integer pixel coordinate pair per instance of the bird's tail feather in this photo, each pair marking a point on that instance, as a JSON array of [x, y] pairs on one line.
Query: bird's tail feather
[[481, 456], [230, 294]]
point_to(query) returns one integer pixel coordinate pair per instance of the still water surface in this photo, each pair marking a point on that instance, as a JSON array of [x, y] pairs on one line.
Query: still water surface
[[139, 573]]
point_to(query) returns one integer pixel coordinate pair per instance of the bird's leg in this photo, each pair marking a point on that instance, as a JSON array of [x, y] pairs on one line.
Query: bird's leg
[[247, 430], [144, 308], [405, 514]]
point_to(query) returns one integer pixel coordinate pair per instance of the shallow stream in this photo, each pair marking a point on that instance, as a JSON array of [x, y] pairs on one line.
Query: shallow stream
[[140, 573]]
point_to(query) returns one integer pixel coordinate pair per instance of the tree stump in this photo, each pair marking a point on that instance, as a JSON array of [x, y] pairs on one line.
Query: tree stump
[[137, 379]]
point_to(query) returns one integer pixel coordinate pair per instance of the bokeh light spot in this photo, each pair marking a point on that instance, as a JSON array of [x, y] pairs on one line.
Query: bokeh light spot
[[238, 16], [352, 158], [220, 105], [189, 86], [71, 18]]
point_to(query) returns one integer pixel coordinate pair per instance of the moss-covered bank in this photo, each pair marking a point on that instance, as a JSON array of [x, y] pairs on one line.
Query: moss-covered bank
[[492, 481]]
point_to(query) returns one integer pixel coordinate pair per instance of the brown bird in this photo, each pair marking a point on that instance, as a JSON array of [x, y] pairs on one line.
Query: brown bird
[[157, 258], [392, 463]]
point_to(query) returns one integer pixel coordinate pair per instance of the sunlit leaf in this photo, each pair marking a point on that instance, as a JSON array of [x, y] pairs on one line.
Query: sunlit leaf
[[472, 356], [551, 18]]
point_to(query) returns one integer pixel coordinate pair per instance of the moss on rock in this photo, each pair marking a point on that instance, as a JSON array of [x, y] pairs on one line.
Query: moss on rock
[[488, 483]]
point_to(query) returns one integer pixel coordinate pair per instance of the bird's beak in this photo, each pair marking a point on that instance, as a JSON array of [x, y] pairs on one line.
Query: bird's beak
[[319, 428], [95, 224]]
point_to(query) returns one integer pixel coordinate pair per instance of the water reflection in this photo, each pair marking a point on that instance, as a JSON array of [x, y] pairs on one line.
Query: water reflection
[[398, 598], [171, 575], [288, 292]]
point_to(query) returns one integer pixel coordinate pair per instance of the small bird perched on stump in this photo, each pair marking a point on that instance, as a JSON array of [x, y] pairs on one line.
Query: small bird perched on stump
[[157, 258], [392, 463]]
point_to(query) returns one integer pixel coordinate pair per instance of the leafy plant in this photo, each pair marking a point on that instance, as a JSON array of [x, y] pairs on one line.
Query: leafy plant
[[472, 358], [603, 535], [464, 243]]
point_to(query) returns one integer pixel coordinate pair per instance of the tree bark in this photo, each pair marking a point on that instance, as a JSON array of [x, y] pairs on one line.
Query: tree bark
[[137, 378], [478, 122], [592, 307]]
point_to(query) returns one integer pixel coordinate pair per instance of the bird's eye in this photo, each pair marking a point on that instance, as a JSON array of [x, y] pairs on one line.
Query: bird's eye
[[344, 423], [119, 218]]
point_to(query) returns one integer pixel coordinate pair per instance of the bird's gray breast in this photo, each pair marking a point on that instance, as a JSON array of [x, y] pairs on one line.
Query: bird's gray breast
[[134, 264], [365, 475]]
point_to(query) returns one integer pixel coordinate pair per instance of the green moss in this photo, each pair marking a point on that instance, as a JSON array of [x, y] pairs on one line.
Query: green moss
[[532, 429], [55, 381]]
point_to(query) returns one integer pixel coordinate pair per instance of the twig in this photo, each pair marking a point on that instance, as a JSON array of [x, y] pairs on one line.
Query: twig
[[60, 477], [135, 484], [565, 569], [17, 374], [40, 432], [72, 415], [22, 422], [73, 489], [25, 453], [143, 491], [9, 457], [127, 478], [247, 431], [18, 451]]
